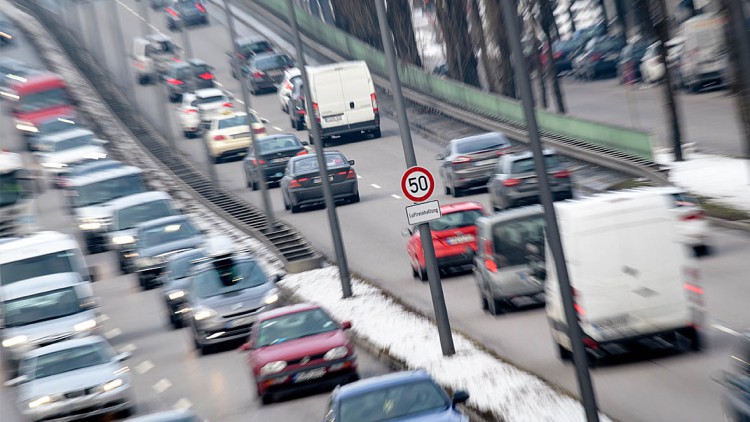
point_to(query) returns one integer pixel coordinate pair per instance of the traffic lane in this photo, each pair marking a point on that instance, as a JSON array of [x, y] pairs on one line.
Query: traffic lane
[[708, 118]]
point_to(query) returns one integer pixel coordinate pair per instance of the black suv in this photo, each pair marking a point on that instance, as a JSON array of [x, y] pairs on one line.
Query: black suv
[[185, 13], [182, 77], [247, 47]]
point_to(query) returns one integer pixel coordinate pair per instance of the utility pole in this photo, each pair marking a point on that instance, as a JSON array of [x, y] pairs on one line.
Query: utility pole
[[575, 334], [145, 19], [270, 220], [333, 219], [186, 42], [425, 234]]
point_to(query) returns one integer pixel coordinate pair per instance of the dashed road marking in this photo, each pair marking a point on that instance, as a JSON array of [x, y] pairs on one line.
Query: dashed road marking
[[112, 333], [395, 196], [375, 186], [144, 367], [278, 129], [103, 318], [162, 386], [218, 83], [128, 348], [241, 102], [725, 329], [182, 403], [359, 177]]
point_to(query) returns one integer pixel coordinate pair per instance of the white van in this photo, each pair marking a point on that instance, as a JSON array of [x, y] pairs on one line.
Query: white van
[[343, 99], [705, 60], [633, 281], [40, 254]]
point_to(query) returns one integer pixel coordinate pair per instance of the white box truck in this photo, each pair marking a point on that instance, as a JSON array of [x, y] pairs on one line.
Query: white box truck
[[634, 283], [343, 100]]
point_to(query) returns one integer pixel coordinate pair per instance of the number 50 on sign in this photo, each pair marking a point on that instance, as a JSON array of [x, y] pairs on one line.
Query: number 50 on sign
[[417, 184]]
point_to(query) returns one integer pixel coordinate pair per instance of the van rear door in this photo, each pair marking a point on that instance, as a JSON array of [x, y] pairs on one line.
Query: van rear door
[[358, 90], [329, 95]]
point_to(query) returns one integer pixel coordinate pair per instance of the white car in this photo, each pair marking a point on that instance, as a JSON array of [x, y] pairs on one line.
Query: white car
[[229, 135], [187, 115], [59, 152], [652, 68], [284, 91], [198, 108]]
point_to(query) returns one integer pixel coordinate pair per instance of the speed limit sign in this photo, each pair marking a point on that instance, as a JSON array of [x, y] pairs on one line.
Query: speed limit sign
[[417, 184]]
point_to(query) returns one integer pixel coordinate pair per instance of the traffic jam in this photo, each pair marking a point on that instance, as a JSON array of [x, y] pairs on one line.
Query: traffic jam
[[60, 365]]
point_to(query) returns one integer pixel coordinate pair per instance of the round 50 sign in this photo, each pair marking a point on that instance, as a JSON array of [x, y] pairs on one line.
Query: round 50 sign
[[417, 184]]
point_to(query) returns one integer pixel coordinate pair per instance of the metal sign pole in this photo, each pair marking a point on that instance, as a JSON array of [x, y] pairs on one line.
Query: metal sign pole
[[186, 42], [333, 219], [425, 234], [270, 220], [145, 22], [553, 232]]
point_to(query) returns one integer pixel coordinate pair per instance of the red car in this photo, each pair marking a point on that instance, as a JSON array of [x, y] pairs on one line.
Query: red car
[[297, 347], [453, 236]]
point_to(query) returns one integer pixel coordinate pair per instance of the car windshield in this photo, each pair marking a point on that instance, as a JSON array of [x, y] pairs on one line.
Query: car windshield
[[212, 99], [93, 167], [200, 69], [44, 100], [68, 360], [249, 49], [129, 217], [519, 240], [308, 164], [37, 266], [481, 144], [179, 267], [234, 121], [11, 187], [41, 307], [66, 144], [171, 232], [455, 220], [182, 73], [107, 190], [224, 278], [292, 326], [279, 143], [393, 402], [273, 62], [526, 165], [159, 48], [56, 125]]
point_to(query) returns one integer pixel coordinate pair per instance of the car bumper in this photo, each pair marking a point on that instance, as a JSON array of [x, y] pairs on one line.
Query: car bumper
[[356, 127], [83, 407], [455, 259], [150, 276], [517, 293], [265, 83], [224, 332], [532, 196], [274, 173], [471, 177], [336, 372], [605, 67], [194, 20], [230, 147], [314, 195], [95, 238]]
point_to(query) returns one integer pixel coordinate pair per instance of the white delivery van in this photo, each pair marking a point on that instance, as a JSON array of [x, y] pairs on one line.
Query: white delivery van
[[343, 99], [705, 60], [634, 283]]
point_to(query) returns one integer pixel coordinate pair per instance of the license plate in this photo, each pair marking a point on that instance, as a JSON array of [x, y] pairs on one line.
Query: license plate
[[317, 179], [485, 162], [309, 375], [456, 240], [334, 118], [240, 322], [280, 160]]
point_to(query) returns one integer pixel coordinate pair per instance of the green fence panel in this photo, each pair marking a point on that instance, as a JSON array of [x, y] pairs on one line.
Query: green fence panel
[[629, 141]]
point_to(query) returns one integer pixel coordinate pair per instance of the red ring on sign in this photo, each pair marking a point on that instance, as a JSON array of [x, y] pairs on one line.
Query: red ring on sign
[[404, 185]]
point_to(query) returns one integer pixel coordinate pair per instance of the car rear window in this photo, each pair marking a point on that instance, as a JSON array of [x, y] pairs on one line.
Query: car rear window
[[213, 99], [515, 241], [236, 121], [455, 220], [273, 144], [201, 68], [37, 266], [526, 165], [481, 144], [683, 200], [333, 159], [273, 62], [255, 47]]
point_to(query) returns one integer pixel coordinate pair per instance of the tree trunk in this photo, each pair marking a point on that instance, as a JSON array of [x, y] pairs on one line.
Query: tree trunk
[[540, 68], [462, 64], [400, 22], [359, 19], [546, 19], [496, 29], [480, 40], [739, 86], [605, 21], [571, 15], [642, 18], [622, 16]]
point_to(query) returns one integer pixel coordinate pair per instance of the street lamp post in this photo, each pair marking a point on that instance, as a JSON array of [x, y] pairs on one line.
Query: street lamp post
[[425, 234], [333, 219], [580, 360]]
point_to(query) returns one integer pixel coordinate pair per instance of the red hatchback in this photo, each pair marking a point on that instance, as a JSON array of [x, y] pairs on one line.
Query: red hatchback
[[297, 347], [453, 236]]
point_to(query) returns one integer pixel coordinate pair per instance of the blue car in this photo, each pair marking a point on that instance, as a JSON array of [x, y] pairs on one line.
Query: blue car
[[410, 396]]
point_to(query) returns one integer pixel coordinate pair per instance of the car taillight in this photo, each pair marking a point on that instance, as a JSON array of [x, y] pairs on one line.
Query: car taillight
[[228, 105], [374, 103], [351, 174], [171, 12], [219, 138], [190, 110], [698, 215], [490, 264], [173, 81], [578, 307], [316, 111], [297, 183], [303, 152], [206, 76], [561, 174], [461, 159], [258, 74], [590, 342], [287, 86], [255, 162], [595, 56], [558, 54], [259, 130], [511, 182], [200, 7]]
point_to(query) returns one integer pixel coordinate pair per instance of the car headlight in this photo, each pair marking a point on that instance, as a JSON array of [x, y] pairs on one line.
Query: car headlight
[[203, 313], [273, 367], [336, 353], [111, 385], [26, 127], [14, 341], [177, 294], [54, 165], [271, 297], [91, 223], [95, 155], [123, 240], [85, 325], [41, 401]]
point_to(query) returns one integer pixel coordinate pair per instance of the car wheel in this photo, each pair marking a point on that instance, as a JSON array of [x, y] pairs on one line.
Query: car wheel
[[701, 250], [376, 134], [201, 349], [294, 208], [696, 344], [422, 273], [354, 377], [126, 413], [217, 159], [142, 282], [414, 273], [255, 185], [494, 306], [286, 204], [355, 198], [206, 21], [234, 74], [141, 80], [253, 89], [266, 398], [693, 88], [298, 125], [485, 303], [493, 206], [456, 191], [563, 353]]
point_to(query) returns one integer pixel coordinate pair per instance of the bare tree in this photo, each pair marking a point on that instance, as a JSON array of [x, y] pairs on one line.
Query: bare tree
[[496, 30], [571, 15], [546, 18], [739, 85], [359, 19], [605, 21], [621, 16], [480, 40], [462, 64], [400, 22]]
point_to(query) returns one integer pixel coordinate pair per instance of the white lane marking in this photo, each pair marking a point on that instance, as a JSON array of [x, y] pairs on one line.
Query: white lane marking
[[138, 16], [162, 386], [393, 195], [218, 83], [726, 329], [278, 129], [128, 348], [375, 186], [182, 403], [240, 101], [144, 367], [112, 333], [359, 177], [103, 318]]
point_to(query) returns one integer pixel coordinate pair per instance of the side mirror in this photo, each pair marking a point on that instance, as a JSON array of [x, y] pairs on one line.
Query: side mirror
[[406, 232], [277, 278], [16, 381], [264, 120], [460, 396], [351, 162], [346, 325], [440, 157], [123, 356]]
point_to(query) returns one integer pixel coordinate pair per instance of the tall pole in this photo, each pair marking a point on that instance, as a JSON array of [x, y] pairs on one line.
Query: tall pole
[[425, 234], [333, 218], [740, 53], [114, 21], [186, 42], [96, 41], [145, 19], [580, 360], [270, 220]]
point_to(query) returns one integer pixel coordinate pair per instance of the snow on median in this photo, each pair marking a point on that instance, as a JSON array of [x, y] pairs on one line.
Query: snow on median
[[495, 387]]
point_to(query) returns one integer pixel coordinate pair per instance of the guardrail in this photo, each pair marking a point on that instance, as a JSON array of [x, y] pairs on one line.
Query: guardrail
[[468, 98]]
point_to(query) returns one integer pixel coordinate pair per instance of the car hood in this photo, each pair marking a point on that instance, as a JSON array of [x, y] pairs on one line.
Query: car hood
[[68, 381], [189, 243], [100, 211], [51, 330], [74, 154], [239, 301], [305, 346]]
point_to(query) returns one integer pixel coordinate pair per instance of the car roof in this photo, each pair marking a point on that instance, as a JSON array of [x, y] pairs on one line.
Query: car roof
[[87, 179], [65, 345], [73, 132], [526, 153], [383, 381], [45, 283], [287, 310], [247, 39], [208, 92], [461, 206], [40, 243], [139, 198], [162, 221], [196, 62], [511, 213], [488, 135]]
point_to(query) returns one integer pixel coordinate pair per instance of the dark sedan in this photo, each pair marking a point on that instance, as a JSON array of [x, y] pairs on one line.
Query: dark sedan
[[469, 162], [563, 53], [50, 126], [266, 70], [276, 151], [629, 65], [599, 57], [300, 185], [186, 13]]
